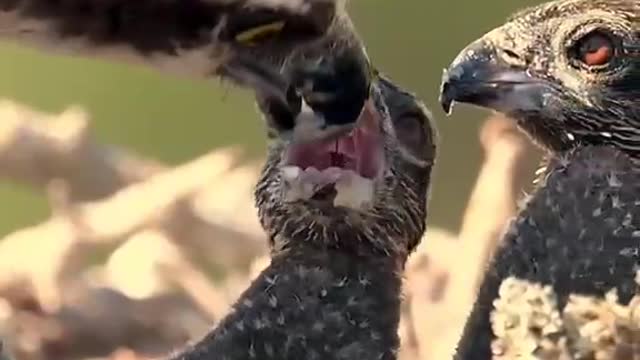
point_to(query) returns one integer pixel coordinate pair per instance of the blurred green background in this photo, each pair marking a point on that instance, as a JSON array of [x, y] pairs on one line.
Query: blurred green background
[[175, 119]]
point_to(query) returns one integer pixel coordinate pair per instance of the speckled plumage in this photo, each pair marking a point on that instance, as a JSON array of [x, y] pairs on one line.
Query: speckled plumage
[[312, 304], [580, 230]]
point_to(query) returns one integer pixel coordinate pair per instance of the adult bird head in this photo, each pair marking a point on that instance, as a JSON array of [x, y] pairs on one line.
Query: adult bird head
[[307, 66], [567, 71]]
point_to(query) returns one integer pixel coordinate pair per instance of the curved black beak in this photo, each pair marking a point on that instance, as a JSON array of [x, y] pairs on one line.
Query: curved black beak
[[264, 80], [307, 101], [270, 86], [479, 76]]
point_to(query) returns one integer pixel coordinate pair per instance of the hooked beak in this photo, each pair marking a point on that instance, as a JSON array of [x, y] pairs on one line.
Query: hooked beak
[[306, 104], [263, 80], [479, 76]]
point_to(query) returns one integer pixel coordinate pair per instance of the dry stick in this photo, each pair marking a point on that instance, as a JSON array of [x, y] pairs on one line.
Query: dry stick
[[199, 288], [36, 148], [59, 154], [95, 321], [150, 263], [48, 252], [503, 175], [424, 314]]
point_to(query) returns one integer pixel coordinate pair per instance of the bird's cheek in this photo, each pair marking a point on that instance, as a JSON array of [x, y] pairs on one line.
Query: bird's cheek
[[571, 79]]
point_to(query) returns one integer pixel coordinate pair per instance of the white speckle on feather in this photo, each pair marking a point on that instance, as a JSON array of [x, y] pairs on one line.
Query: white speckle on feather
[[273, 301], [606, 134], [268, 349], [239, 325], [614, 181], [354, 191]]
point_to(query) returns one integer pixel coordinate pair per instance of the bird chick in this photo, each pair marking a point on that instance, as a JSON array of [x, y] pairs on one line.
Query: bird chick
[[568, 73]]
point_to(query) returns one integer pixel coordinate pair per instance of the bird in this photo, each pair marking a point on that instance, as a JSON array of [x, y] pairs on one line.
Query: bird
[[344, 189], [342, 213], [342, 210], [568, 73], [209, 39]]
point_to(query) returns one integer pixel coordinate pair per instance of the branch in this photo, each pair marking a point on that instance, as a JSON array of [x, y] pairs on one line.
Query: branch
[[426, 316], [95, 321], [443, 293], [36, 148], [502, 179], [101, 195], [150, 264]]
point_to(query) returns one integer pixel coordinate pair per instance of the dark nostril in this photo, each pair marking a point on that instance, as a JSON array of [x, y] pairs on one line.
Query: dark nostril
[[512, 54], [280, 118]]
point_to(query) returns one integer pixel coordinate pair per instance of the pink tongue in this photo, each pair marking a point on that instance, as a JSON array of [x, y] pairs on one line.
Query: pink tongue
[[347, 145], [368, 154], [366, 139], [361, 148]]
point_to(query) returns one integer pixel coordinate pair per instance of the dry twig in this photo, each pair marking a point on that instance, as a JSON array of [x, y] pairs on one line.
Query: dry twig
[[46, 255]]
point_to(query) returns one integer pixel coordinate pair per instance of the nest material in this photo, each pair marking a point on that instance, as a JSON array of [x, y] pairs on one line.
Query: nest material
[[528, 324]]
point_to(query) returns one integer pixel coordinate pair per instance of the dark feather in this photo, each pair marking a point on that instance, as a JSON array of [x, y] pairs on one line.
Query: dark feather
[[179, 36]]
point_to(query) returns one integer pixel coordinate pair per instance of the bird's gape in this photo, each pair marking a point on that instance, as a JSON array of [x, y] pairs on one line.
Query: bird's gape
[[338, 159], [352, 161]]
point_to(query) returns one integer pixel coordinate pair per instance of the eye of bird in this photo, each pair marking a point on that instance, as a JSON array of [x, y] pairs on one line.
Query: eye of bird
[[594, 49]]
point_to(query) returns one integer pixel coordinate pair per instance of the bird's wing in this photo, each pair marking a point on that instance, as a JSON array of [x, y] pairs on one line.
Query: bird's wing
[[176, 36]]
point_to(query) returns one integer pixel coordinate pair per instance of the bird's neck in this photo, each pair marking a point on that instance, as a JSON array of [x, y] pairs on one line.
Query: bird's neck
[[311, 304], [321, 254], [383, 248]]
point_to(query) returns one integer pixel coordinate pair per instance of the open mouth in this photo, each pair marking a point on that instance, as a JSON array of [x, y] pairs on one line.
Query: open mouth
[[340, 170]]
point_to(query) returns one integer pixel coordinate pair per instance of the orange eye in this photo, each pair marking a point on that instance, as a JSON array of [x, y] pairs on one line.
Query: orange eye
[[595, 49]]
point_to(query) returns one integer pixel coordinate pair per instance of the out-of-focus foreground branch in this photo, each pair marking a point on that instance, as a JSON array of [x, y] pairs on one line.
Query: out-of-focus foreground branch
[[36, 148], [182, 242]]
